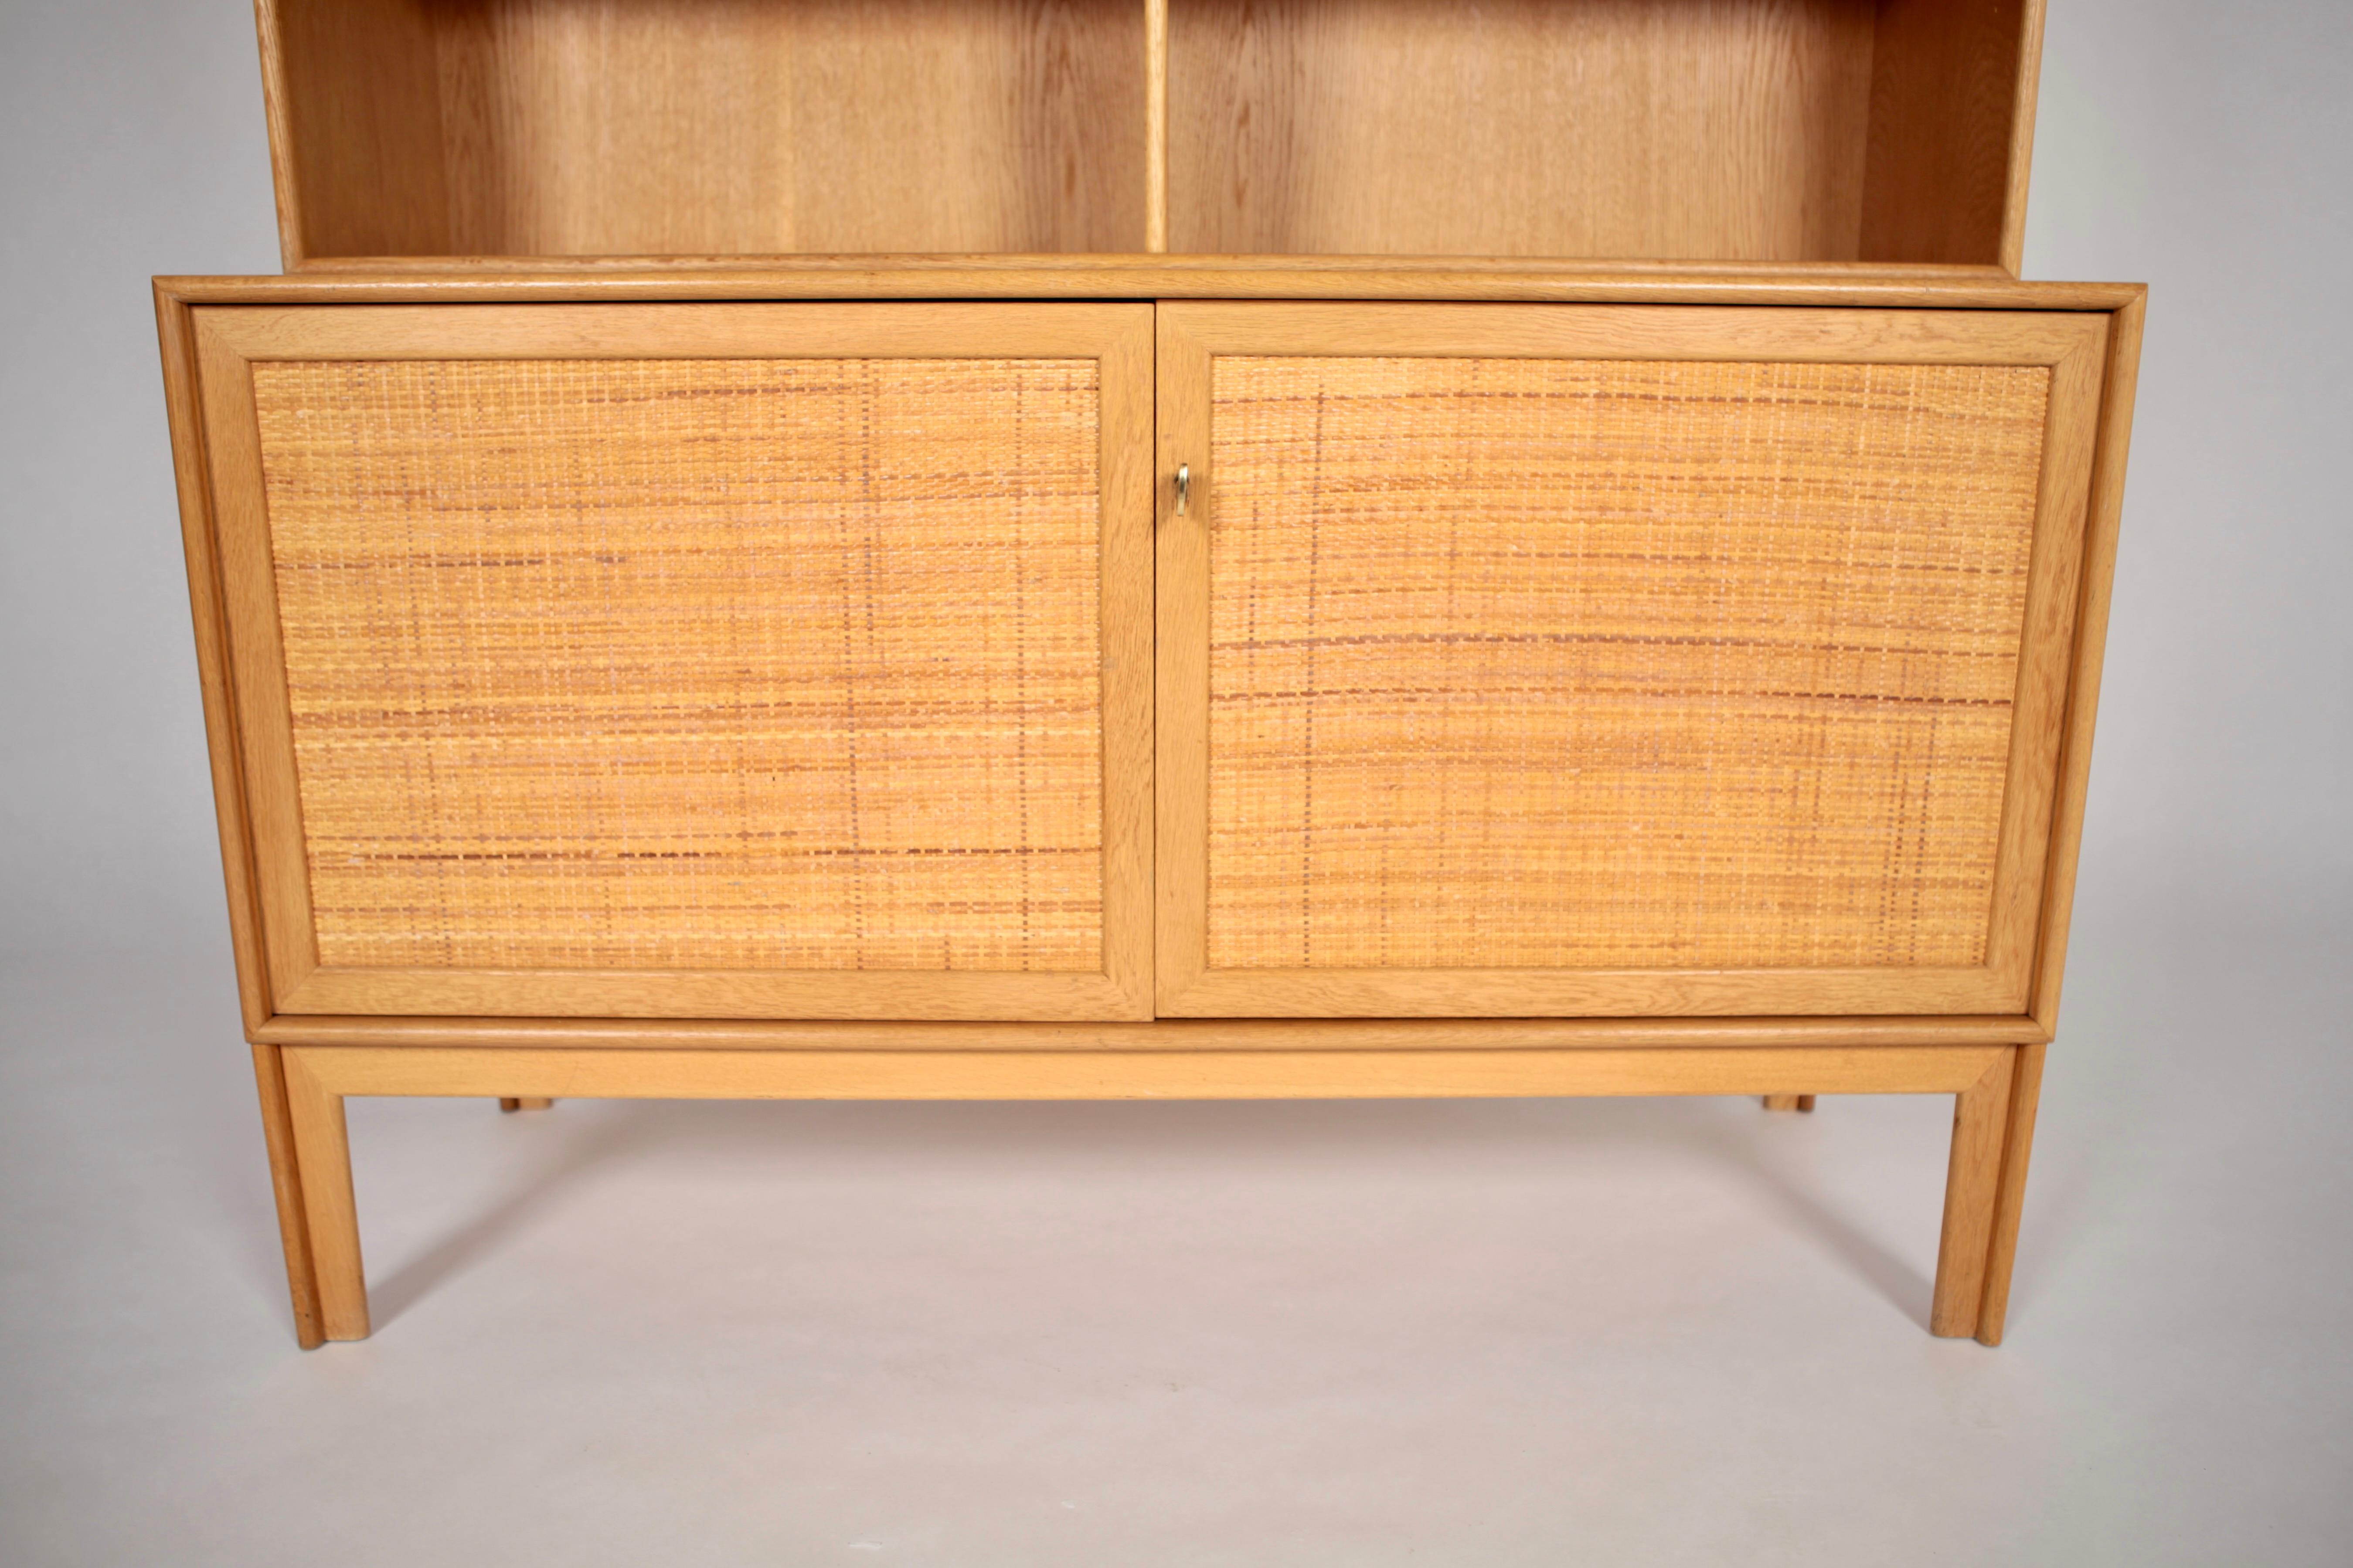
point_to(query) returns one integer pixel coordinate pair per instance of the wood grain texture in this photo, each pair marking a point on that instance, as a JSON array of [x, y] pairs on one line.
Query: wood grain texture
[[909, 329], [1356, 1034], [277, 116], [2104, 516], [2053, 603], [330, 1213], [2009, 1194], [1707, 128], [1197, 979], [1767, 130], [1952, 115], [352, 89], [913, 279], [286, 1187], [523, 872], [1155, 125], [648, 127], [1972, 1195], [2021, 137], [1205, 1075], [208, 617], [1181, 670], [1125, 617], [270, 792]]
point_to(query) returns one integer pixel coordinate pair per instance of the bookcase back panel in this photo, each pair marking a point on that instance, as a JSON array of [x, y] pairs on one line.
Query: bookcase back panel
[[712, 665], [1730, 130], [1527, 663], [1770, 131], [710, 127]]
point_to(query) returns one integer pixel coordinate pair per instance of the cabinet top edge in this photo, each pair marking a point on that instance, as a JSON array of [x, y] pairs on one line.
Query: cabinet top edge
[[1157, 277], [1222, 1035]]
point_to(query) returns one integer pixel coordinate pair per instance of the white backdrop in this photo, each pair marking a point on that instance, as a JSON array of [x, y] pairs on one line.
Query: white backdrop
[[1542, 1333]]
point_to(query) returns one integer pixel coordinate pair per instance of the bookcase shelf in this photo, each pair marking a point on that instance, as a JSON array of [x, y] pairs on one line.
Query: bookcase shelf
[[1773, 131]]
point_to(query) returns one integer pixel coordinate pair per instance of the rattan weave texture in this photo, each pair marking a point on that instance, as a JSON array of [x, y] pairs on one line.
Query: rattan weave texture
[[1577, 664], [725, 664]]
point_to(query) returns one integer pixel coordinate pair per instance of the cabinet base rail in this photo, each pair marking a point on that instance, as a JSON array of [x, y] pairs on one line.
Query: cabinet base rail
[[303, 1088]]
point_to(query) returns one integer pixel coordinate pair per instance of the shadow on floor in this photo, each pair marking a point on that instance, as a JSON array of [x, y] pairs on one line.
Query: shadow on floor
[[1727, 1133]]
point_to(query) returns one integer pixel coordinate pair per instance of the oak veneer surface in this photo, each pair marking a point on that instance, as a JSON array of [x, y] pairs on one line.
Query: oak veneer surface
[[1714, 129], [515, 280], [1116, 1075], [1952, 129], [1725, 128], [720, 663], [1546, 663], [700, 127], [1719, 130]]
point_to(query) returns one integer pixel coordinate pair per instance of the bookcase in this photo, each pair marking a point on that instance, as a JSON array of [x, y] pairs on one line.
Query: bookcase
[[1149, 548], [1692, 131]]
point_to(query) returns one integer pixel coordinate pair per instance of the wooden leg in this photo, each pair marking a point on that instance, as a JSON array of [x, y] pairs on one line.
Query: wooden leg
[[1789, 1102], [322, 1154], [523, 1102], [2017, 1142], [286, 1181], [1973, 1184]]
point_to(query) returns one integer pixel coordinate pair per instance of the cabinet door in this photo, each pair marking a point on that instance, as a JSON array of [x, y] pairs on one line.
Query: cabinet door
[[725, 660], [1613, 660]]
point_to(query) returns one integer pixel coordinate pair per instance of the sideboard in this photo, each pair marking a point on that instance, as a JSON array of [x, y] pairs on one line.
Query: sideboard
[[1216, 548]]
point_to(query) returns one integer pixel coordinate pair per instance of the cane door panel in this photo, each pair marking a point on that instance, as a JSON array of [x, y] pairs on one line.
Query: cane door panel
[[1544, 660], [692, 660]]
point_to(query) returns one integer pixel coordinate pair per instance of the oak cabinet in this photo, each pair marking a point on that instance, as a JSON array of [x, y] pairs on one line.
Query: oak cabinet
[[989, 548]]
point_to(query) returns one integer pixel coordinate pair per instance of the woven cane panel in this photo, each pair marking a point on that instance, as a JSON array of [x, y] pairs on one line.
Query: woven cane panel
[[724, 664], [1546, 663]]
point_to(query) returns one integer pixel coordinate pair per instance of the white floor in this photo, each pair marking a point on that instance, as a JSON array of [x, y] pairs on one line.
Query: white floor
[[1539, 1332]]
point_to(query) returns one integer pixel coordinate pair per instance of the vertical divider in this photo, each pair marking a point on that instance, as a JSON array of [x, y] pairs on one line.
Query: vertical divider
[[1155, 125]]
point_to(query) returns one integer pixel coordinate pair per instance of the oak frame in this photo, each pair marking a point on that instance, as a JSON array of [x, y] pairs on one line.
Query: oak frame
[[1193, 334], [305, 1088], [293, 1054], [228, 340], [1937, 165]]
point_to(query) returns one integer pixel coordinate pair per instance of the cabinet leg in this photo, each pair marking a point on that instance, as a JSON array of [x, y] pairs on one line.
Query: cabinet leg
[[1973, 1200], [522, 1102], [322, 1157], [1789, 1102], [286, 1183], [2017, 1142]]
